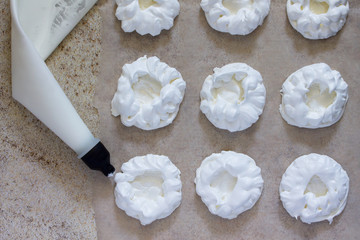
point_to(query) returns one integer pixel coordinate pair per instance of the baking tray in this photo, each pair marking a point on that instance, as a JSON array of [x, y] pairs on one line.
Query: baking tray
[[276, 50]]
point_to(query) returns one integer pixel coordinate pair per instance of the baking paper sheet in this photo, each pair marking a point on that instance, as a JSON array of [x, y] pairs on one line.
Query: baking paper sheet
[[276, 50]]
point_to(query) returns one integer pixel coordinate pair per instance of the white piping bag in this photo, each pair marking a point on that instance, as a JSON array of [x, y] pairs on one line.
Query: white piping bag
[[38, 26]]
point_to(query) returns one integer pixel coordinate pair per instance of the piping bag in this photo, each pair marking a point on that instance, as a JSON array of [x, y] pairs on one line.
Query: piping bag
[[38, 27]]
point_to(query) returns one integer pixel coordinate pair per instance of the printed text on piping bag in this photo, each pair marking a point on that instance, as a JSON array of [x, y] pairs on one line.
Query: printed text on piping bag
[[38, 26]]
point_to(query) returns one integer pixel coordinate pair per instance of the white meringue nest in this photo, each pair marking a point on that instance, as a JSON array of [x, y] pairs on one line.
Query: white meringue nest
[[237, 17], [233, 97], [314, 97], [147, 16], [315, 188], [317, 19], [149, 94], [229, 183], [149, 188]]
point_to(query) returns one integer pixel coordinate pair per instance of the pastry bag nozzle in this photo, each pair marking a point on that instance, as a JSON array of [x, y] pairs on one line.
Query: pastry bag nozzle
[[98, 158]]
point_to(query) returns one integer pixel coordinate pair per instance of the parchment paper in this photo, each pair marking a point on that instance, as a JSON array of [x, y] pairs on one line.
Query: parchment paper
[[276, 50]]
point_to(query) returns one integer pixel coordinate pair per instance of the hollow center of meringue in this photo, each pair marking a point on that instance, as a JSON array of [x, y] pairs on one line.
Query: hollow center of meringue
[[232, 91], [144, 4], [316, 100], [148, 185], [235, 5], [318, 7], [316, 186], [146, 89], [224, 183]]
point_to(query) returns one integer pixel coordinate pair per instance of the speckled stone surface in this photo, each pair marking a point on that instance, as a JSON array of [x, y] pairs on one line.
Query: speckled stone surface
[[45, 191]]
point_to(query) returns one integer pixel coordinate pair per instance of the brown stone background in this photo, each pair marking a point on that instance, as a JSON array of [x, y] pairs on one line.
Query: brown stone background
[[276, 50]]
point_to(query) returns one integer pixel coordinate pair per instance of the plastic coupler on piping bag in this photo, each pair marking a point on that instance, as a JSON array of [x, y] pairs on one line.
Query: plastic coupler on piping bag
[[38, 27]]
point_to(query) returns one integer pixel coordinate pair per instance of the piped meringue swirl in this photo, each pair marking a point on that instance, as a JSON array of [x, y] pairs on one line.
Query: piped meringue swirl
[[237, 17], [147, 16], [315, 188], [149, 94], [229, 183], [233, 97], [148, 188], [313, 97], [317, 19]]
